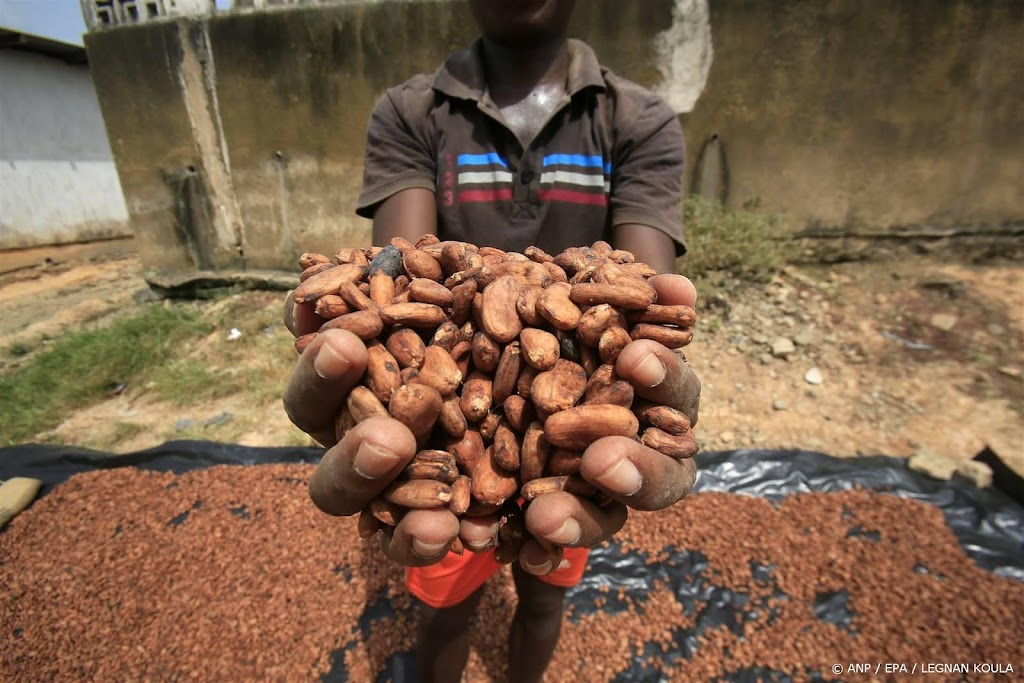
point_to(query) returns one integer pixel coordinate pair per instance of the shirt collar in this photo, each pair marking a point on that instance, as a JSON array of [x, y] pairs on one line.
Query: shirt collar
[[462, 74]]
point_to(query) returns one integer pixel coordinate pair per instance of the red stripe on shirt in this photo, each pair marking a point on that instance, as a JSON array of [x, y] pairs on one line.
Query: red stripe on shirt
[[499, 195], [573, 197]]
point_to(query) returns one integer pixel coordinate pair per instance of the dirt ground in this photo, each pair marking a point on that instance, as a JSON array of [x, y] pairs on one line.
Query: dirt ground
[[886, 357]]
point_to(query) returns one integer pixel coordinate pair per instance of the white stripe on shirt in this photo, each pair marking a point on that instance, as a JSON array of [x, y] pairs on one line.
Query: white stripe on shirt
[[484, 177], [572, 178]]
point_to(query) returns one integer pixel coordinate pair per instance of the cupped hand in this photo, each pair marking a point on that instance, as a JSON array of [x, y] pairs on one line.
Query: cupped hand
[[628, 472]]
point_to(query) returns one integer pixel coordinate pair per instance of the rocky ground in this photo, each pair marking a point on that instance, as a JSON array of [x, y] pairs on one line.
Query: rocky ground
[[895, 357]]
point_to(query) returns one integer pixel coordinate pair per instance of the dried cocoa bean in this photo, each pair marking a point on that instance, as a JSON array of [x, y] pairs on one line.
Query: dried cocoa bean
[[439, 371], [310, 259], [467, 451], [540, 349], [314, 270], [386, 511], [382, 372], [558, 388], [486, 352], [533, 455], [413, 315], [327, 282], [506, 447], [595, 320], [446, 336], [669, 337], [433, 464], [666, 418], [430, 292], [579, 427], [331, 306], [451, 418], [382, 289], [611, 343], [574, 484], [555, 306], [364, 404], [680, 316], [519, 412], [407, 347], [417, 406], [498, 315], [366, 325], [475, 401], [490, 483], [462, 301], [623, 296], [420, 264], [461, 490], [418, 494], [506, 374], [672, 445], [563, 461]]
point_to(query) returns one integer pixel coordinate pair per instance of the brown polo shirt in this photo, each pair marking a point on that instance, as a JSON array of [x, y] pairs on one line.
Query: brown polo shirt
[[611, 154]]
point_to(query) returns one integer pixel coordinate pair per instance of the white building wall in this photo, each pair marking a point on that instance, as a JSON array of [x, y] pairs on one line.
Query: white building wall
[[57, 177]]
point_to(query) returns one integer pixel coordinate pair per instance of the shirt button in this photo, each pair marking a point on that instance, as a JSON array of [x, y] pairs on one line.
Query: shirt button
[[526, 177]]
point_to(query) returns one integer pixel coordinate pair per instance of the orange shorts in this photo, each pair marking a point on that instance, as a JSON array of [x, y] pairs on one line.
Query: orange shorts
[[455, 577]]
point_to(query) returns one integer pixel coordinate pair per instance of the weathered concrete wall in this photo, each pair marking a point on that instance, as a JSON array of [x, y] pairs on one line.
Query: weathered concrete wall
[[58, 182], [837, 113], [869, 116]]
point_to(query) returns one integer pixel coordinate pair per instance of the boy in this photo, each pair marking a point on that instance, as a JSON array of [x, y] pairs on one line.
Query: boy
[[524, 139]]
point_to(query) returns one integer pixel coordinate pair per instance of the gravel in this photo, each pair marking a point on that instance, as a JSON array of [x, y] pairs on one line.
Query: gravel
[[230, 573]]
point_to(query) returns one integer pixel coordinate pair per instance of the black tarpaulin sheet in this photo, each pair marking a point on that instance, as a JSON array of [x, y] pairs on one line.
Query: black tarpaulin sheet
[[988, 524]]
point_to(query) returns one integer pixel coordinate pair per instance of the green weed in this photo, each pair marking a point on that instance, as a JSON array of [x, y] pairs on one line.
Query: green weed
[[745, 244], [80, 368]]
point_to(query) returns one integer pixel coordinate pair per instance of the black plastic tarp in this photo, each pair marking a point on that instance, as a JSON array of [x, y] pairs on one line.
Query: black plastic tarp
[[988, 524]]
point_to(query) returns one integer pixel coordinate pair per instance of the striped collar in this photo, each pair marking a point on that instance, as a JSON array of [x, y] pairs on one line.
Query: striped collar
[[462, 74]]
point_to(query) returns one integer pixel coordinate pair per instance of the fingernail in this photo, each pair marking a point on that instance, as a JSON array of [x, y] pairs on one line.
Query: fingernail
[[426, 551], [567, 534], [373, 462], [538, 569], [327, 362], [480, 546], [650, 371], [622, 478]]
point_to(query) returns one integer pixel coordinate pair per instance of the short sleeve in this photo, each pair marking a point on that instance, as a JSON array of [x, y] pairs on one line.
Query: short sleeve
[[399, 154], [648, 160]]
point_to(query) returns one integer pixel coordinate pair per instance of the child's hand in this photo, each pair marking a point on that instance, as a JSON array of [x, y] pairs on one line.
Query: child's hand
[[356, 469], [634, 475]]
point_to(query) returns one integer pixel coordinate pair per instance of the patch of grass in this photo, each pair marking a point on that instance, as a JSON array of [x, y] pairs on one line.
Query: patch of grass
[[187, 380], [80, 368], [743, 243]]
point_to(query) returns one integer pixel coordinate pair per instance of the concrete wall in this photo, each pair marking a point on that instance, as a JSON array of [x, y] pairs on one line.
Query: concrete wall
[[58, 182], [239, 138]]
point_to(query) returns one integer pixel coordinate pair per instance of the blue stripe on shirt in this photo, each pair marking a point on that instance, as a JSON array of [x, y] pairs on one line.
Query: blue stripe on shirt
[[481, 159], [578, 160]]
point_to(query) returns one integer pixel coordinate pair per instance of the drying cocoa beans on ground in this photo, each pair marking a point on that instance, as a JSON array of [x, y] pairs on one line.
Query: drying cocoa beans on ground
[[501, 364]]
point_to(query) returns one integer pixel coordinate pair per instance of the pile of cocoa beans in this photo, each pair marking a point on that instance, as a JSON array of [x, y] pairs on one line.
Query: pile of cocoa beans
[[500, 363]]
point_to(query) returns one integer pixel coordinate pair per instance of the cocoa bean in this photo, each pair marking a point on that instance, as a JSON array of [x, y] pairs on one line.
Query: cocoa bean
[[382, 372], [680, 316], [420, 264], [461, 490], [386, 511], [385, 260], [310, 259], [669, 337], [595, 320], [331, 306], [486, 352], [555, 306], [579, 427], [594, 293], [611, 343], [498, 315], [526, 306], [382, 289], [432, 464], [327, 282], [490, 483], [451, 418], [427, 240], [506, 447], [430, 292], [461, 353], [475, 401], [506, 374], [489, 425], [563, 461], [574, 484], [417, 406], [558, 388], [418, 494], [462, 301], [407, 347], [533, 455], [446, 336], [524, 383], [540, 349], [672, 445], [439, 371], [413, 315], [537, 254], [364, 404], [666, 418], [367, 525], [366, 325], [402, 244], [467, 450], [302, 342], [314, 270], [519, 412]]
